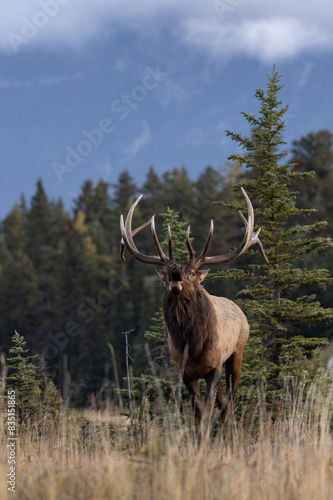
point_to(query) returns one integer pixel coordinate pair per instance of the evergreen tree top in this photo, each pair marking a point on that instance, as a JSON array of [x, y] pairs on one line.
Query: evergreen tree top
[[271, 182], [178, 231], [18, 348]]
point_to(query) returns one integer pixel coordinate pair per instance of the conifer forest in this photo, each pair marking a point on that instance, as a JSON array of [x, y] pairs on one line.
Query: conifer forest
[[101, 410], [64, 287]]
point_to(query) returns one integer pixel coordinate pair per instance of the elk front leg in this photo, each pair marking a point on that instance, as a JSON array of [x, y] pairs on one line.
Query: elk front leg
[[213, 381], [192, 386]]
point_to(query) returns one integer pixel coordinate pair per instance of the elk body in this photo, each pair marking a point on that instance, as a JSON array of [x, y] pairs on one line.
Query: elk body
[[204, 332]]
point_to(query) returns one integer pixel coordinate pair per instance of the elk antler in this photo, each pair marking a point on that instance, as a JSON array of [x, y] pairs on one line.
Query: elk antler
[[127, 239], [134, 232], [255, 239], [189, 246], [249, 239]]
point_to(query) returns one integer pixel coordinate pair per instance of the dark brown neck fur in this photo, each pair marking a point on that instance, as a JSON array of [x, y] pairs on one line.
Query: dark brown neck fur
[[190, 319]]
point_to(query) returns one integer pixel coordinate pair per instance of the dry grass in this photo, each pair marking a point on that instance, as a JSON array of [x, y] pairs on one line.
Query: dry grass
[[90, 455]]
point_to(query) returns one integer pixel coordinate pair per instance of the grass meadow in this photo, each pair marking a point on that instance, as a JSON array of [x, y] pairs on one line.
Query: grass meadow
[[97, 455]]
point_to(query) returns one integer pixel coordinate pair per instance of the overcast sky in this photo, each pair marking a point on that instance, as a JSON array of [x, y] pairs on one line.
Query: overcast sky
[[88, 88]]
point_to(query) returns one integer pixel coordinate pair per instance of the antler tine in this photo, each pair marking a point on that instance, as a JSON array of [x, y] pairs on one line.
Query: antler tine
[[255, 239], [201, 258], [128, 221], [189, 246], [134, 232], [162, 255], [260, 246], [219, 259], [126, 232], [171, 255]]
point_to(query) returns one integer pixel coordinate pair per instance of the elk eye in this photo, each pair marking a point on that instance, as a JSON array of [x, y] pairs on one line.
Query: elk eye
[[192, 274]]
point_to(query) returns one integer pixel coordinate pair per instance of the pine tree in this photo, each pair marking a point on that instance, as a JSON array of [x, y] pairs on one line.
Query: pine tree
[[314, 152], [19, 297], [178, 232], [14, 230], [178, 192], [39, 229], [85, 200], [35, 395], [94, 203], [276, 311], [124, 191], [152, 190]]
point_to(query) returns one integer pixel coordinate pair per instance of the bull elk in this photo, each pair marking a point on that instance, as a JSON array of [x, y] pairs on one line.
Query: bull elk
[[204, 332]]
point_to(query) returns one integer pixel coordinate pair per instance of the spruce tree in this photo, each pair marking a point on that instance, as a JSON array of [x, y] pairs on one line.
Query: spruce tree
[[39, 229], [14, 230], [35, 394], [277, 313]]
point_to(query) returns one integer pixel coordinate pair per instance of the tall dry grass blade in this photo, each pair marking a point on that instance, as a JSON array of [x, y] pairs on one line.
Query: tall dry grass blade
[[116, 376]]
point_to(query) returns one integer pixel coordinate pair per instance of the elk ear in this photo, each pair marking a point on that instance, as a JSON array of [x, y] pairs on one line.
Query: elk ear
[[162, 276], [202, 274]]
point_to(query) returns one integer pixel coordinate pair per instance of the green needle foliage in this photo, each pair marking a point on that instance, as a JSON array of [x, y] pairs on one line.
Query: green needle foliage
[[35, 394], [178, 231], [276, 303]]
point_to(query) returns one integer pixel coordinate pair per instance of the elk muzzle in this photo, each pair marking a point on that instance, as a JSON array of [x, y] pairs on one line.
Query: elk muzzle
[[176, 282]]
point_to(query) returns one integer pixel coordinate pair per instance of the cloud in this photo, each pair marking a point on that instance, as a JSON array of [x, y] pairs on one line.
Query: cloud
[[141, 140], [266, 39], [53, 24], [304, 77], [221, 28], [39, 82]]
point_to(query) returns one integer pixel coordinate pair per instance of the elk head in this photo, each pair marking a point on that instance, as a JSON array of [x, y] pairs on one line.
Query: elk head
[[180, 277]]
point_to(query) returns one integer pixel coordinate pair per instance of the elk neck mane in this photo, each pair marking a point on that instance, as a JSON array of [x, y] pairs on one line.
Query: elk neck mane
[[190, 318]]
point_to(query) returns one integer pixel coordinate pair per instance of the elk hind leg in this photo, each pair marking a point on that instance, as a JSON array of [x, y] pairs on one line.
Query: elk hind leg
[[233, 367]]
